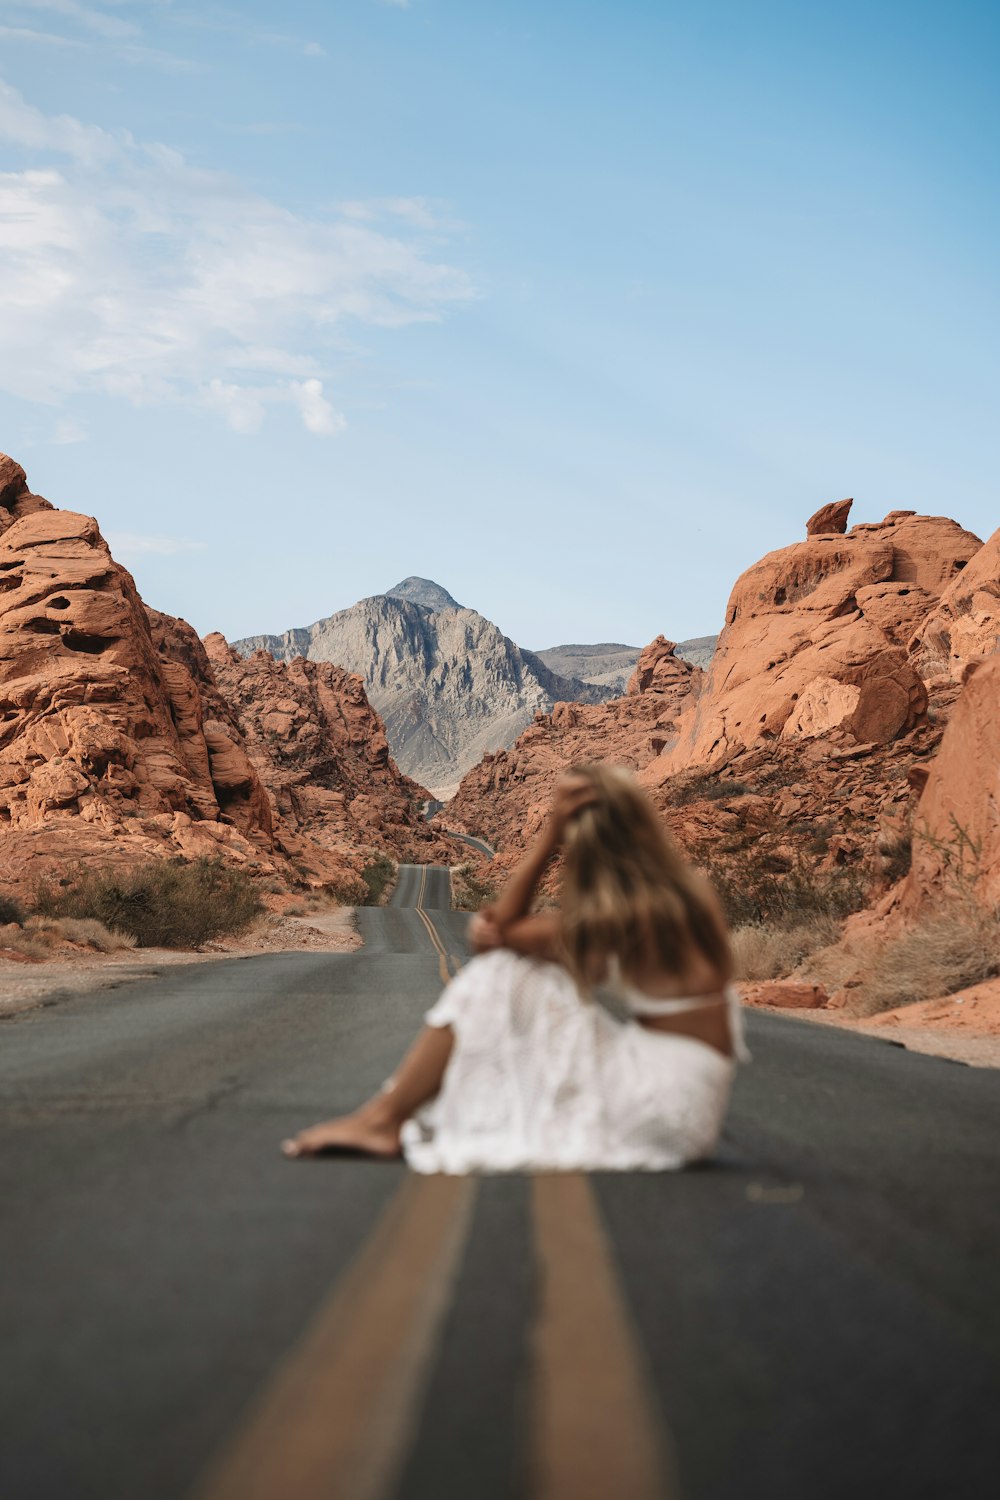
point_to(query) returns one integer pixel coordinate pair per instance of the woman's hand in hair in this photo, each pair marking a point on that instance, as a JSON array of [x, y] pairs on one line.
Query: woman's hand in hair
[[484, 932], [572, 793]]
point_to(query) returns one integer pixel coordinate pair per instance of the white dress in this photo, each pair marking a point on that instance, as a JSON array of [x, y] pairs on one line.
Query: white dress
[[541, 1079]]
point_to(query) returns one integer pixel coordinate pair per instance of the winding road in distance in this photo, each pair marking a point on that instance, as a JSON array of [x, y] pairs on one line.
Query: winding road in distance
[[815, 1316]]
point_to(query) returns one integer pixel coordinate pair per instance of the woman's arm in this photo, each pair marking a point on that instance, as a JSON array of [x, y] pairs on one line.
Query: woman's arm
[[508, 923], [538, 936]]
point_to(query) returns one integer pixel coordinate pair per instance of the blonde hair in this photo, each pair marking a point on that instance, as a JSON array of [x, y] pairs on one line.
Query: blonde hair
[[628, 892]]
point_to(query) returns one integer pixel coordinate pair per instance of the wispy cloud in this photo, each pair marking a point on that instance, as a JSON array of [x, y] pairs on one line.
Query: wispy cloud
[[418, 213], [38, 38], [89, 18], [127, 270], [71, 24], [135, 544], [69, 430]]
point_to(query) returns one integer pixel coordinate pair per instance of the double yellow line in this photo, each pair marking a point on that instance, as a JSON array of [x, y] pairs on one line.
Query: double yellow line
[[433, 934], [340, 1417]]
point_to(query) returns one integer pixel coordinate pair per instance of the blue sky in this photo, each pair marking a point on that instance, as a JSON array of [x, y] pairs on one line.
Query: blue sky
[[576, 308]]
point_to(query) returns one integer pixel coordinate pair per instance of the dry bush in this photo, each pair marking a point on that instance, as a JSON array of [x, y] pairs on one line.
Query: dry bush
[[377, 876], [703, 786], [753, 895], [160, 904], [11, 910], [15, 939], [761, 951], [958, 947], [470, 892], [87, 931]]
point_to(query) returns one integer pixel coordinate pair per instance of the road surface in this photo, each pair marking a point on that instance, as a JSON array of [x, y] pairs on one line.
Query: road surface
[[185, 1313]]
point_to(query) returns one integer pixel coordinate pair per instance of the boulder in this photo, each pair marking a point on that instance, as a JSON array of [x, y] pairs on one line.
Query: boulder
[[829, 519], [788, 994]]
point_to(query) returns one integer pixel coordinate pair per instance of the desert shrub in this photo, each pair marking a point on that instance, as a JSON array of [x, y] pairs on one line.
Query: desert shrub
[[753, 895], [16, 939], [94, 934], [161, 904], [897, 856], [10, 911], [470, 891], [761, 951], [704, 787], [376, 877], [960, 946]]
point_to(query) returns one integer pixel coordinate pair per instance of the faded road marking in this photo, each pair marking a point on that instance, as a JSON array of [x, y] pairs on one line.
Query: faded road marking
[[338, 1418], [596, 1432]]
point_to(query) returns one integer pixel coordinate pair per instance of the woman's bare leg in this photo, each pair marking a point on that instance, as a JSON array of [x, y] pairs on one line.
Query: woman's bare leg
[[375, 1127]]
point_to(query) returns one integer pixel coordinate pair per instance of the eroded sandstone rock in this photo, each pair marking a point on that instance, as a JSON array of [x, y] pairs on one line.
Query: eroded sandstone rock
[[964, 623], [956, 845], [811, 643], [829, 519]]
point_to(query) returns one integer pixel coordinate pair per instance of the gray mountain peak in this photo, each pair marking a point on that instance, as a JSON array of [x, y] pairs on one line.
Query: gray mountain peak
[[424, 591]]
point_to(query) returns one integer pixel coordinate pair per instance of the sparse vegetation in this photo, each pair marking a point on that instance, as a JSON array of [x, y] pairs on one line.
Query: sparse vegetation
[[160, 904], [377, 876], [768, 952], [897, 856], [470, 891], [958, 947], [40, 937], [753, 895], [10, 911], [704, 787]]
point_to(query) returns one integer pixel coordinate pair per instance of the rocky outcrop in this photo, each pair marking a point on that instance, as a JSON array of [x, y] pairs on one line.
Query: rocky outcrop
[[102, 745], [119, 742], [830, 519], [806, 742], [505, 797], [321, 752], [963, 625], [810, 646], [448, 683], [956, 843]]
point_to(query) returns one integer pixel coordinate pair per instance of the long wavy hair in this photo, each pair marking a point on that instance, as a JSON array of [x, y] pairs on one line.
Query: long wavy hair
[[628, 892]]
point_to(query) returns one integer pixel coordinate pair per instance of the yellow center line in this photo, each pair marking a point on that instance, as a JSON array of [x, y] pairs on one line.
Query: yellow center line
[[340, 1415], [438, 945], [596, 1432], [422, 887]]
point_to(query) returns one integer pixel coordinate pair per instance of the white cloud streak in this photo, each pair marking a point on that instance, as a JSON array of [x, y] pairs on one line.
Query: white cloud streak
[[126, 270], [134, 544]]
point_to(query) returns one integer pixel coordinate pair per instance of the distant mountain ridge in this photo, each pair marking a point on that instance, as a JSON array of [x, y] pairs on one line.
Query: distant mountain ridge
[[448, 683]]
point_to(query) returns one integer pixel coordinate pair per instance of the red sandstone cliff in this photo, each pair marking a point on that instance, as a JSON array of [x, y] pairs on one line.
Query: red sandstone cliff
[[118, 742], [806, 741]]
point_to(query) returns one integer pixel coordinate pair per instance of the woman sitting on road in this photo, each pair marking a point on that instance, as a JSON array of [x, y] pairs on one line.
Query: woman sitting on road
[[519, 1067]]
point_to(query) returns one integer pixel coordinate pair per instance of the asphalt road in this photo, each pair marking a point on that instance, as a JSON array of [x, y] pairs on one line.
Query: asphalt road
[[184, 1312]]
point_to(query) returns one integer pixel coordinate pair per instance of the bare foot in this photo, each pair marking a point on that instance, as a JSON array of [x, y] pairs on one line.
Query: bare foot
[[357, 1132]]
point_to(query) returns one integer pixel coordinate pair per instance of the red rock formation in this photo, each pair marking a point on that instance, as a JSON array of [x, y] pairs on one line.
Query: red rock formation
[[93, 762], [805, 743], [956, 845], [964, 625], [503, 799], [830, 519], [805, 651], [322, 753], [117, 743]]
